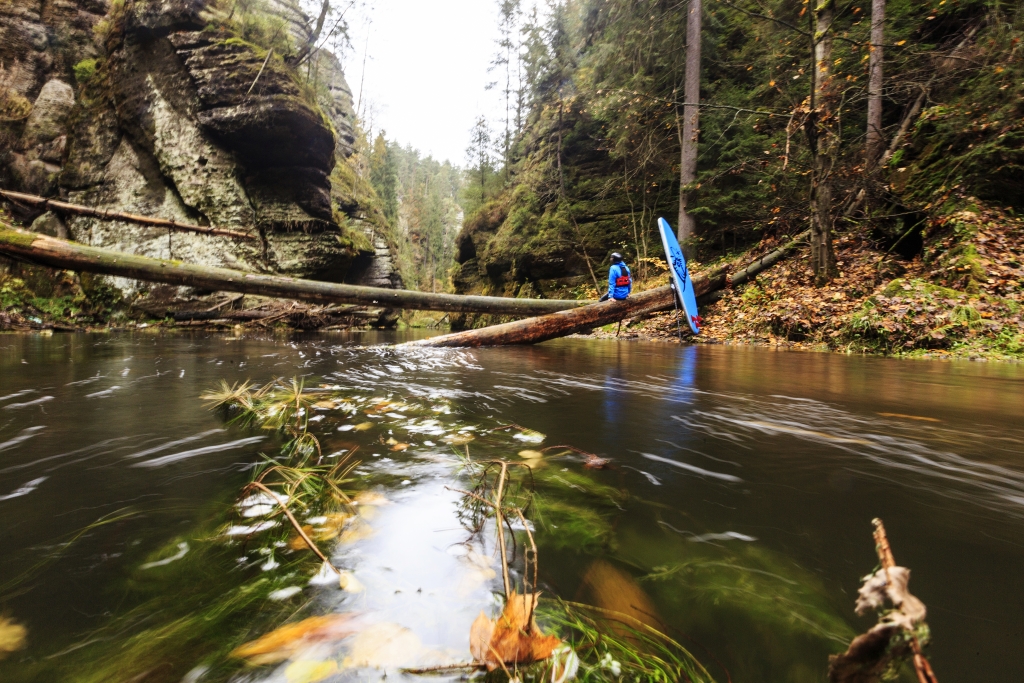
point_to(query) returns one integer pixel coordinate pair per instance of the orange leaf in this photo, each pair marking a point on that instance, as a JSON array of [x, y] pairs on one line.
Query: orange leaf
[[514, 637], [296, 542], [480, 637], [282, 643]]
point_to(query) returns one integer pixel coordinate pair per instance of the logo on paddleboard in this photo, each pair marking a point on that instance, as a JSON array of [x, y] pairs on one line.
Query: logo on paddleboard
[[680, 267]]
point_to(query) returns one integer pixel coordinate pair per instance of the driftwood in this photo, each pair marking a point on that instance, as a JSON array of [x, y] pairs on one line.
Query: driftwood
[[562, 323], [58, 253], [77, 209], [875, 653]]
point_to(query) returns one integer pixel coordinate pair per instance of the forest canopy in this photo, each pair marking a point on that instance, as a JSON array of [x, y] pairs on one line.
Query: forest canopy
[[588, 153]]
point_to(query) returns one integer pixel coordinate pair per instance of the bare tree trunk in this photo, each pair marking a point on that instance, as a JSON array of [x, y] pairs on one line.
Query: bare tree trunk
[[691, 118], [315, 36], [908, 119], [875, 141], [822, 142]]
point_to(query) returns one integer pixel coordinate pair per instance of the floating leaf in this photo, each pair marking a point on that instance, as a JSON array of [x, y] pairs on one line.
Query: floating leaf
[[12, 636], [282, 643], [362, 426], [400, 447], [384, 645], [296, 542], [371, 498], [331, 526], [513, 638], [349, 583], [610, 588], [304, 671], [356, 532]]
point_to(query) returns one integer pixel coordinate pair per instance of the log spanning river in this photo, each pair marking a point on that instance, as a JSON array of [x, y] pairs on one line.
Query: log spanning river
[[737, 503]]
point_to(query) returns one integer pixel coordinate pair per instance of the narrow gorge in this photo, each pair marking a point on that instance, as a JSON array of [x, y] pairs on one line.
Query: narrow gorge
[[220, 114]]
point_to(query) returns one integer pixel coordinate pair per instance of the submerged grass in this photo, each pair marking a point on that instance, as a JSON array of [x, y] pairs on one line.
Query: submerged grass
[[548, 505], [612, 646]]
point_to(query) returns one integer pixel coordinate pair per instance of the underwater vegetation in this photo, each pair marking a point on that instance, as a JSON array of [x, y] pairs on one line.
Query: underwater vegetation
[[285, 580]]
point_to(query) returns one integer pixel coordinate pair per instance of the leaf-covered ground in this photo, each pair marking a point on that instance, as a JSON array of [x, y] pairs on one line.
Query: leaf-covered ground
[[960, 298]]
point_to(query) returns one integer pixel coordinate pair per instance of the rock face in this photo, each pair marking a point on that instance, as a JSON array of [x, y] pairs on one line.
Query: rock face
[[165, 111], [49, 116]]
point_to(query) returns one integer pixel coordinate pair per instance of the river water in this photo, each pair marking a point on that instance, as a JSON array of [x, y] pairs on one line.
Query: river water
[[739, 499]]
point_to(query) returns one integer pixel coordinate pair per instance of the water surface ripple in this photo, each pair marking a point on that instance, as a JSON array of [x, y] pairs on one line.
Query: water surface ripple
[[748, 463]]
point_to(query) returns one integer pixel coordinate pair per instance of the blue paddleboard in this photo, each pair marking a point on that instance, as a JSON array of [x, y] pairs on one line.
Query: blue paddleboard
[[680, 274]]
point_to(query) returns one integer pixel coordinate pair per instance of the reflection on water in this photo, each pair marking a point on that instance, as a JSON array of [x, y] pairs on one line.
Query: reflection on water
[[743, 485]]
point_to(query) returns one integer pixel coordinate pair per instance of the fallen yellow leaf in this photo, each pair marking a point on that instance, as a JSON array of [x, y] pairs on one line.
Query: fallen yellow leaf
[[349, 583], [332, 527], [296, 542], [384, 645], [282, 643], [310, 671], [356, 532], [12, 636], [371, 498]]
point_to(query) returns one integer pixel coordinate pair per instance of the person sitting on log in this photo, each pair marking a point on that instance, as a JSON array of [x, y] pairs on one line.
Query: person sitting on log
[[620, 283]]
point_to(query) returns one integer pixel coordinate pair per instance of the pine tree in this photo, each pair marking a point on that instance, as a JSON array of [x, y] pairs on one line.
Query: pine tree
[[479, 154], [384, 177]]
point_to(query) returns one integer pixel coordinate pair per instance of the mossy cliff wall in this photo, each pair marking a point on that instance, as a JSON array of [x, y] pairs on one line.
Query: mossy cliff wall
[[200, 111]]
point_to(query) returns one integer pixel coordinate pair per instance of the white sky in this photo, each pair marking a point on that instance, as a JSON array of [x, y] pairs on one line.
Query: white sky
[[426, 71]]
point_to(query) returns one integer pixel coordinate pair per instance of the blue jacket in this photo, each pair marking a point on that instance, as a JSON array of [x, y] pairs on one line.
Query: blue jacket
[[615, 272]]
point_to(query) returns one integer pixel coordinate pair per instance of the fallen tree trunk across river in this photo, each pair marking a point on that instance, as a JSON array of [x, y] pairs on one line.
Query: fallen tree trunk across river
[[58, 253], [562, 323], [555, 317]]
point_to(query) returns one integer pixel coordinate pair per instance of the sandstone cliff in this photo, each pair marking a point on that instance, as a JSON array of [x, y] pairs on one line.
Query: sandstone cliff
[[199, 110]]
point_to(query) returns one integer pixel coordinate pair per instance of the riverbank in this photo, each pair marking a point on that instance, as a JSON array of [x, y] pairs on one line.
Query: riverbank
[[959, 298]]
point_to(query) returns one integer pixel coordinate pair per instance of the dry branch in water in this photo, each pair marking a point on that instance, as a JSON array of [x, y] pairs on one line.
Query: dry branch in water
[[513, 639], [295, 523]]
